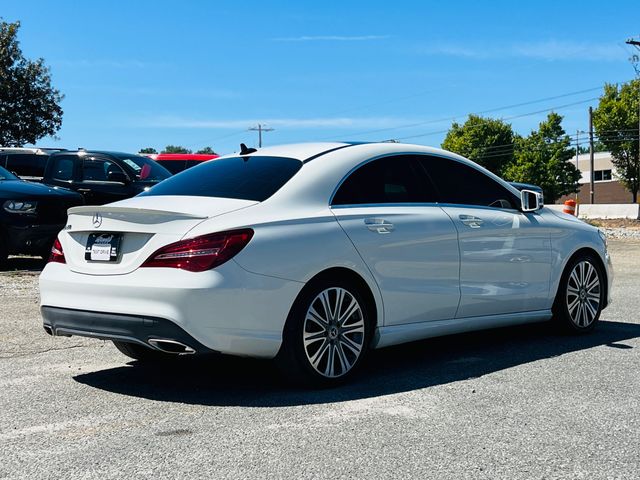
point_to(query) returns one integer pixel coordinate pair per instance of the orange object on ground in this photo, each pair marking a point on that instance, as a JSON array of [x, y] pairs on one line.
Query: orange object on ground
[[570, 207]]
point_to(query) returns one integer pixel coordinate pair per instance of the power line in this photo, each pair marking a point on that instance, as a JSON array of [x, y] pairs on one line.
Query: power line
[[490, 110]]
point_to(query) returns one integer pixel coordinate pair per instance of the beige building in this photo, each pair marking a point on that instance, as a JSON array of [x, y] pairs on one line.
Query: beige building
[[607, 188]]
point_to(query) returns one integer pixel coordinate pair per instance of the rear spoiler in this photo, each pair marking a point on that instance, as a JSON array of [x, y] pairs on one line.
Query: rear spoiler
[[115, 211]]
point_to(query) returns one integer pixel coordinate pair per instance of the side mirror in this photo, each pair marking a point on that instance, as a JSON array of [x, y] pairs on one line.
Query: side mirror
[[530, 201], [119, 177]]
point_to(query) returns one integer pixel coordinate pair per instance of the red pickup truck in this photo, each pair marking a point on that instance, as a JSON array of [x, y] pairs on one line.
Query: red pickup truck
[[177, 162]]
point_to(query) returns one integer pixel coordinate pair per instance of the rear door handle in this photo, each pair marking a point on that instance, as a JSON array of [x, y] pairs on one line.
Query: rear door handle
[[379, 225], [471, 221], [84, 190]]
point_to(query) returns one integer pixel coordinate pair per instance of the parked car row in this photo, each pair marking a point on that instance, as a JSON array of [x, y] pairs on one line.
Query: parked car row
[[38, 185]]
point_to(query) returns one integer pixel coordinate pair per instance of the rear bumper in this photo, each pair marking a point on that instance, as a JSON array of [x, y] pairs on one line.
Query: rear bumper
[[125, 328], [227, 310]]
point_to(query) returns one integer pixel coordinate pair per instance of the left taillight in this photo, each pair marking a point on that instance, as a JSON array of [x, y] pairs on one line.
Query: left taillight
[[201, 253], [57, 254]]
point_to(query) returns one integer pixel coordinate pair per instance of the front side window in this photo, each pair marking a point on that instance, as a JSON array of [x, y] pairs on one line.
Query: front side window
[[143, 168], [395, 179], [246, 178], [462, 184], [99, 169]]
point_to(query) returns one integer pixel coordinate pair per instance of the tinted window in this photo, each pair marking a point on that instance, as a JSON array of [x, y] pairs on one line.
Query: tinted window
[[174, 166], [26, 164], [63, 168], [461, 184], [386, 180], [98, 169], [143, 168], [253, 178]]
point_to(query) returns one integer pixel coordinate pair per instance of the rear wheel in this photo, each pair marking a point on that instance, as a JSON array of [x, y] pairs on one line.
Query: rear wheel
[[580, 295], [140, 352], [327, 334]]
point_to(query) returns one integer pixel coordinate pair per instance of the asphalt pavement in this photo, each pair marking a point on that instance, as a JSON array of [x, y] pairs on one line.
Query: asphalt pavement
[[512, 403]]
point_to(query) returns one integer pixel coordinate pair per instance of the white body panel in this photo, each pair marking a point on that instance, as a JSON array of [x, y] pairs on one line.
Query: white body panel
[[423, 280], [413, 257]]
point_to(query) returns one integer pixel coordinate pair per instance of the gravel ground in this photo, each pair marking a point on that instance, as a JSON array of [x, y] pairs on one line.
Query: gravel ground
[[512, 403]]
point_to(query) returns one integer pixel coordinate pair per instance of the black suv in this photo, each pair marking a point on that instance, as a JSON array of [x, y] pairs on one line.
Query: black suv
[[103, 177], [27, 163], [31, 215]]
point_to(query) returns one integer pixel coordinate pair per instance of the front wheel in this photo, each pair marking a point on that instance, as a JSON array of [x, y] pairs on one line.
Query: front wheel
[[327, 333], [580, 295]]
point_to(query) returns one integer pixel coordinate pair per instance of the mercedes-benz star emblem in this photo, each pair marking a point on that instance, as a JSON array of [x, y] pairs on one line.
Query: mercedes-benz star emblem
[[97, 220]]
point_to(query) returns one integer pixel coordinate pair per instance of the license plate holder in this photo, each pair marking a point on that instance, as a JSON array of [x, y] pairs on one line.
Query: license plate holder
[[103, 247]]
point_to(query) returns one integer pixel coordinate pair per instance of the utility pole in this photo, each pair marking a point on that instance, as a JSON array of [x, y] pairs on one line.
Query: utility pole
[[578, 132], [591, 173], [635, 62], [261, 128]]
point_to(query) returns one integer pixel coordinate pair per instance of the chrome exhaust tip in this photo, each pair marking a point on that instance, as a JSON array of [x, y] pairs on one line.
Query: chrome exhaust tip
[[48, 329], [171, 346]]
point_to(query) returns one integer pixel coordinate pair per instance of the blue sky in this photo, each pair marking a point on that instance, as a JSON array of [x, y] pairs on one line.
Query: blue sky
[[196, 73]]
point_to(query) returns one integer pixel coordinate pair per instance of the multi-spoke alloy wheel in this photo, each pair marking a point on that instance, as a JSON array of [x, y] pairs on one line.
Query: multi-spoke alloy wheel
[[583, 294], [328, 331], [333, 332]]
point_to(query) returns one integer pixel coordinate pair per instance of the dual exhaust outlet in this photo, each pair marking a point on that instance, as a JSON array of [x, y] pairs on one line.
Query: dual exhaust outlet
[[164, 345]]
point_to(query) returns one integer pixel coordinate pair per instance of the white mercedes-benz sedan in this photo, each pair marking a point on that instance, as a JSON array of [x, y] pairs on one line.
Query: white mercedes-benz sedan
[[313, 254]]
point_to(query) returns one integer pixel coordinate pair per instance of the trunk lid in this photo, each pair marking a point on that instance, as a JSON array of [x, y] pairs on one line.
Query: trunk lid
[[144, 224]]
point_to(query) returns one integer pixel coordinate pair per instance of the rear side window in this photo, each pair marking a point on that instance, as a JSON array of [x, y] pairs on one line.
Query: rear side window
[[26, 164], [249, 178], [396, 179], [461, 184]]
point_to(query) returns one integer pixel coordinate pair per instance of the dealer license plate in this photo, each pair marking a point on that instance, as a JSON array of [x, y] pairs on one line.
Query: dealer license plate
[[103, 247]]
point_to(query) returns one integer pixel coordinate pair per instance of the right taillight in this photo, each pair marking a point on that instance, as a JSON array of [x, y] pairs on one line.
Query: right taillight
[[57, 254], [201, 253]]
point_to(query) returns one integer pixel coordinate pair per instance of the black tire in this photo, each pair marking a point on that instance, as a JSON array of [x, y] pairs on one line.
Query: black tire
[[337, 338], [140, 352], [4, 253], [577, 307]]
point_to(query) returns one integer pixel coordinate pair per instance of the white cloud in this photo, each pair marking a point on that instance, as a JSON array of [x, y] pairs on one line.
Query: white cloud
[[331, 38], [543, 50], [329, 122], [103, 63]]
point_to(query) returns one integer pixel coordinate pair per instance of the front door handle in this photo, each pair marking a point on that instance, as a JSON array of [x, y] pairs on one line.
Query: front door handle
[[379, 225], [471, 221]]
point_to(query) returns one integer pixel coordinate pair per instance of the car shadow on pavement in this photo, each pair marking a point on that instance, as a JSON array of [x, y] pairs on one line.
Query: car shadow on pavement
[[228, 381]]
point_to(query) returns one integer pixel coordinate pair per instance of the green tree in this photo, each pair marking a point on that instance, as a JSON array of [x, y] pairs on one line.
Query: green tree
[[150, 150], [616, 123], [542, 159], [175, 149], [207, 151], [486, 141], [29, 105]]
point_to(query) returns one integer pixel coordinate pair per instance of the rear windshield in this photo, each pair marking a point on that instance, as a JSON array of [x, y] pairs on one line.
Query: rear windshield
[[144, 168], [249, 178]]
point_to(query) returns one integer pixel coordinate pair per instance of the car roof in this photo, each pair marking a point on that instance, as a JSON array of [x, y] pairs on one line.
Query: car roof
[[183, 156], [98, 152]]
